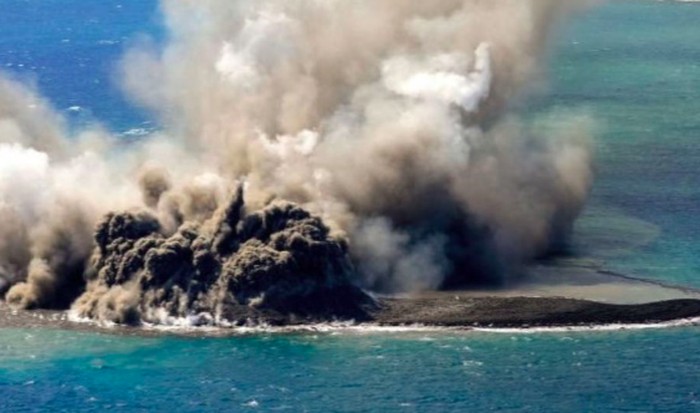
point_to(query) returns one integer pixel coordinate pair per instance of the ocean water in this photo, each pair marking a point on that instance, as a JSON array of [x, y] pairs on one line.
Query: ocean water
[[634, 65], [623, 371]]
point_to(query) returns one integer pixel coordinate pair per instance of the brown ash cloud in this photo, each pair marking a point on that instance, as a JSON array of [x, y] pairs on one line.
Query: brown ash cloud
[[378, 142]]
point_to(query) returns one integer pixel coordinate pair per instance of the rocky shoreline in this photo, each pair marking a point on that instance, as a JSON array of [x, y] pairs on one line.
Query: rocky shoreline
[[446, 309], [516, 312]]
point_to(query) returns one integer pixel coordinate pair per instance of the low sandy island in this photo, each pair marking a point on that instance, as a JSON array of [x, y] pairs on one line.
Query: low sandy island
[[587, 297]]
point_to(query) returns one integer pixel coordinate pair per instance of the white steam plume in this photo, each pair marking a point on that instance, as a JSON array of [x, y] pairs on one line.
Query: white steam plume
[[390, 119]]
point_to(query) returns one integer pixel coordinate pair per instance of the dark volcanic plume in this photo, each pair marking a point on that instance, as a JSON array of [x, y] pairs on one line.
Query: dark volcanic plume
[[375, 140]]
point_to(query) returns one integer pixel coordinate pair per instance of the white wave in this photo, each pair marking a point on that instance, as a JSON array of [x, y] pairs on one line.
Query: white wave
[[137, 132], [74, 317], [685, 322], [205, 324]]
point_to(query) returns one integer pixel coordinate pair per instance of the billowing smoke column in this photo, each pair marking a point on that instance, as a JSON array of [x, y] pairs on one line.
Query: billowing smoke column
[[279, 258], [374, 138]]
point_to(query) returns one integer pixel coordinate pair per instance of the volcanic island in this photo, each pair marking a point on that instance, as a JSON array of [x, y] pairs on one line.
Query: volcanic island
[[281, 267]]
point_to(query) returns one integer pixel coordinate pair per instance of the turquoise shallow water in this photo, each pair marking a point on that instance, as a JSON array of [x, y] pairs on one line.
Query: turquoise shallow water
[[634, 65], [624, 371]]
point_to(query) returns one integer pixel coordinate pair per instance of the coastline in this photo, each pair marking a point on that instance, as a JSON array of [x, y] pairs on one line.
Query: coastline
[[456, 312], [586, 297], [526, 312]]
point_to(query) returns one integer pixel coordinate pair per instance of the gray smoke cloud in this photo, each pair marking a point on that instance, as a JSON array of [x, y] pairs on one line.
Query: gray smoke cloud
[[388, 123]]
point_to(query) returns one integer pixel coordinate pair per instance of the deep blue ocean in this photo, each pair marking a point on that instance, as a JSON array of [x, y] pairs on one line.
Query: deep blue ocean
[[634, 65]]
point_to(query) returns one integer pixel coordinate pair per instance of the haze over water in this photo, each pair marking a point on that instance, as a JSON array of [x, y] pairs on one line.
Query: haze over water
[[635, 65]]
